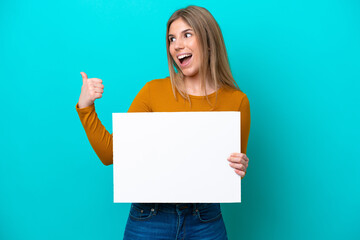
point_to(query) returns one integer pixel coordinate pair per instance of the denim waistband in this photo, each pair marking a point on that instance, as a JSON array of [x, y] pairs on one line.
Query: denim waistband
[[175, 207]]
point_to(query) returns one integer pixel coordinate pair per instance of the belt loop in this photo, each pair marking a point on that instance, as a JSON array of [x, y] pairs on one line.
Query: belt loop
[[194, 208], [156, 207]]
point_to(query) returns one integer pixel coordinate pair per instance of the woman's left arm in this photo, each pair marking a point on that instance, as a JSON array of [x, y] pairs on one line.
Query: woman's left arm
[[239, 161]]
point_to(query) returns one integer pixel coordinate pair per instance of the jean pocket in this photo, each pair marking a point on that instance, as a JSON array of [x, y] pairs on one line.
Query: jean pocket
[[209, 213], [141, 211]]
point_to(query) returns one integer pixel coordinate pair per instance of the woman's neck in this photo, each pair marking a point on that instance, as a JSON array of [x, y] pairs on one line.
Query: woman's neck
[[193, 85]]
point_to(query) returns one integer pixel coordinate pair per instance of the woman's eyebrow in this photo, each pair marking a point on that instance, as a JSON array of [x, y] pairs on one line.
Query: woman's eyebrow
[[189, 29]]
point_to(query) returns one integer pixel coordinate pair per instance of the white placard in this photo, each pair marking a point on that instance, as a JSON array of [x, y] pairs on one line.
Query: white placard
[[175, 157]]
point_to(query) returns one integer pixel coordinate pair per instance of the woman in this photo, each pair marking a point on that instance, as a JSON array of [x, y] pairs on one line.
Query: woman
[[200, 80]]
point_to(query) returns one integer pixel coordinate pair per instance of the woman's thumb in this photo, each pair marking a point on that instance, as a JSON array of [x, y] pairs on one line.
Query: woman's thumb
[[84, 76]]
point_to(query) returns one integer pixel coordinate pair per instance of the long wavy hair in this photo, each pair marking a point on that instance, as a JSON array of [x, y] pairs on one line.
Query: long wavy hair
[[214, 56]]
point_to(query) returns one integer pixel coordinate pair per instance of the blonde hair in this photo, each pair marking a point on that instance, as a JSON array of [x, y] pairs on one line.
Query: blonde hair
[[214, 56]]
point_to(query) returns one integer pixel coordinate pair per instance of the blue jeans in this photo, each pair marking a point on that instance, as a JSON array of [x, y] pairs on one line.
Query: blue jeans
[[183, 221]]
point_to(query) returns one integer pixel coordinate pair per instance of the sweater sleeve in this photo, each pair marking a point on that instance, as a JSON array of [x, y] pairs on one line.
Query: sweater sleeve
[[245, 122], [100, 139]]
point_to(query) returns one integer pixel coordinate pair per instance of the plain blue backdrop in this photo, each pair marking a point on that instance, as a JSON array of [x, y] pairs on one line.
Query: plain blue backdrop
[[298, 62]]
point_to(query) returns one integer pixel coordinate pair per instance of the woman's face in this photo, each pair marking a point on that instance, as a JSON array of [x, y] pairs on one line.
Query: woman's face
[[184, 47]]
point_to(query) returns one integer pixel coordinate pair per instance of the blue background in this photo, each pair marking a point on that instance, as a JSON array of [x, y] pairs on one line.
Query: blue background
[[298, 62]]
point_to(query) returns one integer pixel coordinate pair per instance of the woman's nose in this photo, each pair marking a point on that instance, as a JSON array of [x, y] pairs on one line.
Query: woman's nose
[[179, 44]]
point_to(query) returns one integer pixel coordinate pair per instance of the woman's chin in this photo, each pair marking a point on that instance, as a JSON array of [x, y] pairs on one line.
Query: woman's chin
[[188, 73]]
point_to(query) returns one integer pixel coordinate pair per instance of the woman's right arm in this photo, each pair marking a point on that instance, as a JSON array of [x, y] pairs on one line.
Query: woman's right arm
[[100, 139]]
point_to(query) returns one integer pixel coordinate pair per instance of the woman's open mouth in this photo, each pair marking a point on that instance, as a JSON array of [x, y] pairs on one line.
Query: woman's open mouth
[[184, 59]]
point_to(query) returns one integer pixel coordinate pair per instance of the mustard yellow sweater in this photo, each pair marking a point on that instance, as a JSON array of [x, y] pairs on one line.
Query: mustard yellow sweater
[[157, 96]]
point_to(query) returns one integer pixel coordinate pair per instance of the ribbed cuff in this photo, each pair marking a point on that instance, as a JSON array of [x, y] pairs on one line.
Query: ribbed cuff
[[85, 110]]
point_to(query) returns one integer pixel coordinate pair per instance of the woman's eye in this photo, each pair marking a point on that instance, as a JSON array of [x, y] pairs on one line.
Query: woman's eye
[[171, 39], [187, 34]]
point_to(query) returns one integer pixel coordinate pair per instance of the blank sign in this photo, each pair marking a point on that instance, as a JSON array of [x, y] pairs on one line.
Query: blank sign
[[175, 157]]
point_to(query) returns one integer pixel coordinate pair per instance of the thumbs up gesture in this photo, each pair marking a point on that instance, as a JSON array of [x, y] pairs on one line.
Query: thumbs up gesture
[[91, 89]]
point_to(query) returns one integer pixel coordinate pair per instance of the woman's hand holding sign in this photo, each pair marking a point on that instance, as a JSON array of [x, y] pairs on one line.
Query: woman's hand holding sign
[[239, 162]]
